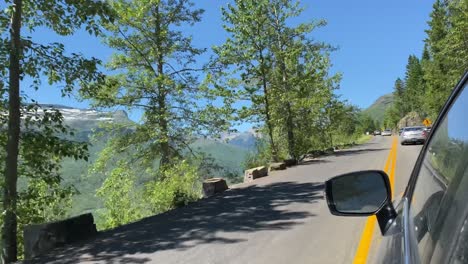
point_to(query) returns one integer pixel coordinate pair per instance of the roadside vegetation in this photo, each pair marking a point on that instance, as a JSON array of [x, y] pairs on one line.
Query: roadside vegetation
[[269, 72], [430, 77]]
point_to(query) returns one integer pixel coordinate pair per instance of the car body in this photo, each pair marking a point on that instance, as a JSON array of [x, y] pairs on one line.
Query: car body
[[387, 132], [377, 132], [429, 224], [400, 131], [413, 135]]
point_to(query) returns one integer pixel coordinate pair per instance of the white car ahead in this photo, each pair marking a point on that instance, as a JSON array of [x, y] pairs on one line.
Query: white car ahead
[[387, 132]]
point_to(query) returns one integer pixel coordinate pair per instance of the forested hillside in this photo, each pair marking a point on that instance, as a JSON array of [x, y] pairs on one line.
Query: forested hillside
[[377, 110], [431, 76]]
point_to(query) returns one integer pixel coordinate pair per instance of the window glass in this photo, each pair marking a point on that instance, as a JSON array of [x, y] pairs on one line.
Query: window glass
[[414, 128], [440, 199]]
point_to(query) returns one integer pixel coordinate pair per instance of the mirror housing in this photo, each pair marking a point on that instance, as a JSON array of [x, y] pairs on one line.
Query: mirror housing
[[362, 193]]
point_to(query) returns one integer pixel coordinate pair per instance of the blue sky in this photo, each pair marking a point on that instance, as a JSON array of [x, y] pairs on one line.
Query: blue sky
[[374, 39]]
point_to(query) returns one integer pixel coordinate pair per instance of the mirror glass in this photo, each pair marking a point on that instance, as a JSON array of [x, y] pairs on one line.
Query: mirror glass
[[360, 192]]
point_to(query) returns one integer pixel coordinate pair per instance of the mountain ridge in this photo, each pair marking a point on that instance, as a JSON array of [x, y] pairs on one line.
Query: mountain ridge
[[377, 109]]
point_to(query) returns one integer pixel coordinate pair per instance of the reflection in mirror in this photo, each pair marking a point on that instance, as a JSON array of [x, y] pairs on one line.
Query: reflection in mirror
[[361, 192]]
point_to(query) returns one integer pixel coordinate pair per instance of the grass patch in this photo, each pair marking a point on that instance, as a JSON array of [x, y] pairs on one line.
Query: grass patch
[[363, 139]]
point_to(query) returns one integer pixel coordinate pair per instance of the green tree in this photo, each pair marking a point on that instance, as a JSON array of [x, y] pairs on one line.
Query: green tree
[[180, 186], [446, 58], [247, 52], [391, 117], [438, 85], [155, 73], [22, 58], [366, 124], [400, 97], [414, 89], [456, 41], [283, 73], [292, 53]]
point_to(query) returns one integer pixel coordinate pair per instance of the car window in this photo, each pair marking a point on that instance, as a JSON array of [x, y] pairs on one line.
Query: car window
[[440, 198], [414, 128]]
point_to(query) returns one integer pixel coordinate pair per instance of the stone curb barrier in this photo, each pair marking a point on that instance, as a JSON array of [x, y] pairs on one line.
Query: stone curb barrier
[[277, 166], [290, 162], [255, 173], [41, 238], [213, 186]]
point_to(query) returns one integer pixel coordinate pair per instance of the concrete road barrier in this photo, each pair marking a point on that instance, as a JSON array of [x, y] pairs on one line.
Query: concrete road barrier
[[41, 238], [290, 162], [277, 166], [213, 186], [255, 173]]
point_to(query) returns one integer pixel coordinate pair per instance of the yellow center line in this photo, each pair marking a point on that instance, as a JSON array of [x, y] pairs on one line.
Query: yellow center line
[[362, 251]]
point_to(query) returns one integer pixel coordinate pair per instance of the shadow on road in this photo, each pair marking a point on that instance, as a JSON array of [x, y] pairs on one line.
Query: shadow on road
[[243, 210]]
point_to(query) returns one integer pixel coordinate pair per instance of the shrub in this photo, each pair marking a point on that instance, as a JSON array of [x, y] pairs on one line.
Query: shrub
[[178, 185]]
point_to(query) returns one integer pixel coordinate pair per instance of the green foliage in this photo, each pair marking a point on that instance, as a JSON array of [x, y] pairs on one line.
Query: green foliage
[[414, 86], [156, 76], [42, 202], [260, 157], [363, 139], [40, 135], [391, 118], [280, 70], [124, 201], [42, 196], [399, 94], [179, 186], [365, 123], [430, 80], [121, 198]]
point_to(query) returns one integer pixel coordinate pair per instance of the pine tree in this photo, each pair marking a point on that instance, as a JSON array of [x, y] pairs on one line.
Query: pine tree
[[435, 72], [400, 98], [414, 89]]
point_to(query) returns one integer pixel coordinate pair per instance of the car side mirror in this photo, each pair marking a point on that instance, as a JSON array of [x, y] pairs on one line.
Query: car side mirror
[[362, 193]]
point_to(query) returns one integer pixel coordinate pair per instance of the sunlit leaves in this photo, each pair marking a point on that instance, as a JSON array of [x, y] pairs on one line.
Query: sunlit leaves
[[155, 72], [430, 80], [43, 140]]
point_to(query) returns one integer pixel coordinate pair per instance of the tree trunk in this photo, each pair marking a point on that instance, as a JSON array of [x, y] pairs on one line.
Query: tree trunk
[[274, 151], [162, 108], [165, 151], [10, 224], [284, 84], [290, 129], [289, 114]]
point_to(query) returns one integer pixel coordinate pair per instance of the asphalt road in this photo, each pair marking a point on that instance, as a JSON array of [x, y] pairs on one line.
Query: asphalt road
[[282, 218]]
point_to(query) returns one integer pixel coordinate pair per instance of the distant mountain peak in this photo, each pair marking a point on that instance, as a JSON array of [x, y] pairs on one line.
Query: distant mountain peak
[[377, 110], [246, 139], [87, 119]]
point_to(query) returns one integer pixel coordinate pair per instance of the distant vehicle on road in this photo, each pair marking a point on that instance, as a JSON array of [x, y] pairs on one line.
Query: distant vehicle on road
[[429, 223], [377, 132], [387, 132], [413, 135]]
